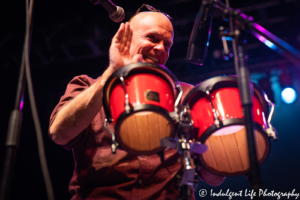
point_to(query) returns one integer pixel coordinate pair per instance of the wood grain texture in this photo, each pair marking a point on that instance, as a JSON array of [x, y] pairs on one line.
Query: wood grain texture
[[142, 131], [228, 154]]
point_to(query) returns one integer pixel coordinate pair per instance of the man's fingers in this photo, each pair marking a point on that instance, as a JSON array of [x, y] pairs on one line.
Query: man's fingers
[[124, 40], [119, 54], [128, 40], [129, 37], [118, 36]]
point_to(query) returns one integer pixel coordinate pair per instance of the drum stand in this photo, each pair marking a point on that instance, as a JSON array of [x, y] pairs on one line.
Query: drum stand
[[185, 147]]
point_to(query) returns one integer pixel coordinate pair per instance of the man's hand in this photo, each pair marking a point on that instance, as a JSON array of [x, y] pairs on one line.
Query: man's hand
[[119, 54]]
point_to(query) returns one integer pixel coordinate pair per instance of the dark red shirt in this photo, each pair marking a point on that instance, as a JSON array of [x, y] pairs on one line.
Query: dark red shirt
[[99, 174]]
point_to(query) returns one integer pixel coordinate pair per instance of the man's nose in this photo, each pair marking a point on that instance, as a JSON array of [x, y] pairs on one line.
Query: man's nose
[[160, 46]]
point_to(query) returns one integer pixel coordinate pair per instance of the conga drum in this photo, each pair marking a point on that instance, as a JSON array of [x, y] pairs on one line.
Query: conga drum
[[138, 99], [217, 114]]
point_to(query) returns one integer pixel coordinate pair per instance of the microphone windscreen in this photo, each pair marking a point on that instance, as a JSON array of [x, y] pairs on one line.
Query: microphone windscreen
[[199, 39], [119, 15]]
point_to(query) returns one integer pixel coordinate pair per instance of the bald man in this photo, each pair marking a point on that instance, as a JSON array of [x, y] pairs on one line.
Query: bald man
[[77, 123]]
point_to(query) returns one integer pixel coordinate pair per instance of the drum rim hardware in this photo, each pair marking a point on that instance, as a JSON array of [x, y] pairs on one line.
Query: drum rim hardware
[[271, 131], [215, 83], [127, 105], [216, 118], [114, 143]]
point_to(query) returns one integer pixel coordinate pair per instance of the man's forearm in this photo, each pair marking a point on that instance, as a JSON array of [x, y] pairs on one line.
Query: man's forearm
[[78, 114]]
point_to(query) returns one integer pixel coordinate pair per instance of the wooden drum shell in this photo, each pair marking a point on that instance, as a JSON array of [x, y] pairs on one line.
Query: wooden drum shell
[[140, 130], [227, 153]]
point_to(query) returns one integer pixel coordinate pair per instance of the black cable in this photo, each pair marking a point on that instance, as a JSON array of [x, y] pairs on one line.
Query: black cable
[[35, 117], [15, 121]]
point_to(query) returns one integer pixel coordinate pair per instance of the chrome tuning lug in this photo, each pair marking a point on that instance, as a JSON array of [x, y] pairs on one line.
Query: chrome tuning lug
[[216, 118], [182, 116], [114, 143], [271, 131], [185, 118], [174, 116], [127, 104]]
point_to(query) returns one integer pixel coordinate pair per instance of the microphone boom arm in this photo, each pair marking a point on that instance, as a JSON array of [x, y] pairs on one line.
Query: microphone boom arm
[[272, 41]]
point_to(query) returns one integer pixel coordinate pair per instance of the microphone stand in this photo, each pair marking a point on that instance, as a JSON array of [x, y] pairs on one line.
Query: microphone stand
[[246, 93], [13, 136], [188, 170], [14, 126], [238, 32]]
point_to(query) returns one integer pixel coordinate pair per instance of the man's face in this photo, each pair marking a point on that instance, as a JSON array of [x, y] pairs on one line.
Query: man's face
[[152, 37]]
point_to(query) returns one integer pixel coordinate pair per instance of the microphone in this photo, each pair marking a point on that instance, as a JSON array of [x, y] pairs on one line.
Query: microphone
[[116, 13], [199, 39]]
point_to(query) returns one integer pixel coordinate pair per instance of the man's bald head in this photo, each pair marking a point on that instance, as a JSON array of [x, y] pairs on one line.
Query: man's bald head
[[152, 36], [143, 17]]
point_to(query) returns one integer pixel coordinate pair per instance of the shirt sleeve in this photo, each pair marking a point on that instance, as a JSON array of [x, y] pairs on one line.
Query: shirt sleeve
[[77, 85]]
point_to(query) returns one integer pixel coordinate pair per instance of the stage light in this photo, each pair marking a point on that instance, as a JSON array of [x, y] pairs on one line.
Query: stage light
[[288, 95]]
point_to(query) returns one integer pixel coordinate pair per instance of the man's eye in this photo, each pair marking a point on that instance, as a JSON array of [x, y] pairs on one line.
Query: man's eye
[[168, 45], [152, 37]]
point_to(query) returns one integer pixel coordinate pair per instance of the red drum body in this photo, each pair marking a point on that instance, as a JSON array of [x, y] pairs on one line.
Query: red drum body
[[217, 115], [151, 91]]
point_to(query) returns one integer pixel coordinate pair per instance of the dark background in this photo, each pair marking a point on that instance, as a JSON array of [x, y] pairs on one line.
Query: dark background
[[73, 37]]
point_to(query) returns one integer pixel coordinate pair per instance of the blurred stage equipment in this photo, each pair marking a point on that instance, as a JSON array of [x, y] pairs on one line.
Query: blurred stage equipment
[[116, 13], [199, 39], [239, 26]]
